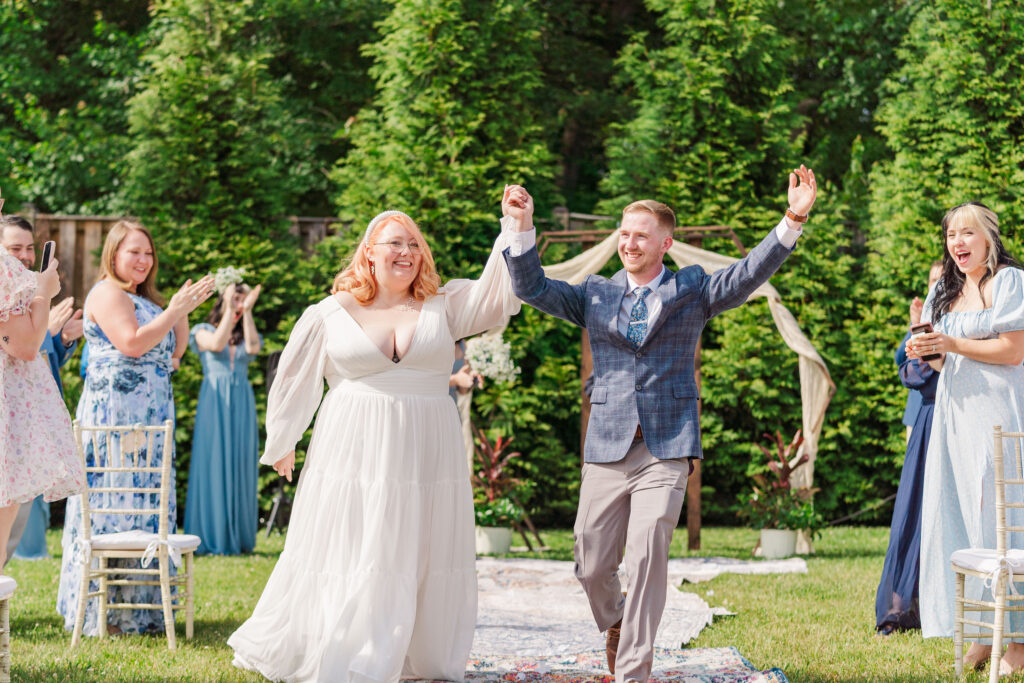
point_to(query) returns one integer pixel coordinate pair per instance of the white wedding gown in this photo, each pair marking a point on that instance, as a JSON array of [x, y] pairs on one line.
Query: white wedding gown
[[377, 579]]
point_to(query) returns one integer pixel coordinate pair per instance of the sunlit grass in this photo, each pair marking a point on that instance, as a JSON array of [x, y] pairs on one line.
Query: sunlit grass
[[817, 626]]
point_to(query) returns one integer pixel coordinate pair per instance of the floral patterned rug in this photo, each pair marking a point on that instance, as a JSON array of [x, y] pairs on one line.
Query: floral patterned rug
[[703, 665], [534, 624]]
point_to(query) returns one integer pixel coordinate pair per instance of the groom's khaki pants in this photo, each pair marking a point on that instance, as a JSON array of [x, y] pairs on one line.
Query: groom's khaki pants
[[630, 505]]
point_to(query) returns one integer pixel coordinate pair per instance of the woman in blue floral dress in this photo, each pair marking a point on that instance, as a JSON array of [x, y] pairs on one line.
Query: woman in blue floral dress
[[134, 346]]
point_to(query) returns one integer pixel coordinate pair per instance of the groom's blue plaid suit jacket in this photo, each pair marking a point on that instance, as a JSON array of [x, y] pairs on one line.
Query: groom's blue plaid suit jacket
[[654, 385]]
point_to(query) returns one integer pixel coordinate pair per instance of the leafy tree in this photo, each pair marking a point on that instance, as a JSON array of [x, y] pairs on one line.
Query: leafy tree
[[714, 115], [218, 159], [452, 122], [324, 77], [66, 72]]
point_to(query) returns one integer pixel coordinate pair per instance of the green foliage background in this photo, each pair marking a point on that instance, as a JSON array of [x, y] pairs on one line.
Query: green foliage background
[[213, 121]]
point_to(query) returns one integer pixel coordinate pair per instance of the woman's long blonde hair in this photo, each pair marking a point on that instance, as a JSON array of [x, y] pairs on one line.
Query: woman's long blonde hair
[[118, 231], [358, 280]]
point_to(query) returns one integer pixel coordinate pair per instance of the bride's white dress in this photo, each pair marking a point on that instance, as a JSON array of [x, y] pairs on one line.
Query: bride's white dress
[[377, 579]]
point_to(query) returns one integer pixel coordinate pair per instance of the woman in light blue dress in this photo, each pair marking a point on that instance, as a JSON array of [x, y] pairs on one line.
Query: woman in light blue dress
[[977, 310], [221, 506], [134, 346]]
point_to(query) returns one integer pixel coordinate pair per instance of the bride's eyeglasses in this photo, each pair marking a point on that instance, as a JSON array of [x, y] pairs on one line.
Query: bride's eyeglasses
[[398, 246]]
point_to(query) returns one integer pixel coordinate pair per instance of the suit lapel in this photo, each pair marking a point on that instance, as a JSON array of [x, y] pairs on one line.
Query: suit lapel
[[666, 292], [619, 285]]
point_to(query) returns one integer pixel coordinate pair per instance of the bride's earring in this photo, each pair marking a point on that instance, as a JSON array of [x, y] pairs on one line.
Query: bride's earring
[[373, 269]]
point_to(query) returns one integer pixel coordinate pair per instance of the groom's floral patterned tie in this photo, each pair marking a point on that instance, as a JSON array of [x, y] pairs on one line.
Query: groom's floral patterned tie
[[638, 318]]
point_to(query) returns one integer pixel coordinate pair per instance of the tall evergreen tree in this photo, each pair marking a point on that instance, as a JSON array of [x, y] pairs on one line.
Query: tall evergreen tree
[[218, 160], [323, 74], [452, 121], [66, 73], [214, 141], [714, 117], [953, 116]]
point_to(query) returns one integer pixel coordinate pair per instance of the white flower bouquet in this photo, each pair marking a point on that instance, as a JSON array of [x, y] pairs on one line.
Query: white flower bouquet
[[229, 275], [491, 356]]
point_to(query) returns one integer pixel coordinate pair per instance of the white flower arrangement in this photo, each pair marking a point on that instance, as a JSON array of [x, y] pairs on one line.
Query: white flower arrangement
[[491, 356], [229, 275]]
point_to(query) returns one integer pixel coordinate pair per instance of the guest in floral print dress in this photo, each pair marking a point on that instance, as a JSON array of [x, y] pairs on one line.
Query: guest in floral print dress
[[134, 345], [37, 452]]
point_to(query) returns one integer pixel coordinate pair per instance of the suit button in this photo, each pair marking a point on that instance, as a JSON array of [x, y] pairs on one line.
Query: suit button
[[639, 354], [638, 387]]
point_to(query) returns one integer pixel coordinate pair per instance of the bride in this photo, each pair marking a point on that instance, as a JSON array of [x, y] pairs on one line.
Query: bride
[[377, 579]]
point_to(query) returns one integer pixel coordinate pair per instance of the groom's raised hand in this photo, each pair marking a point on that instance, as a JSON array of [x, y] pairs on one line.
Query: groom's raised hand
[[517, 203], [803, 190]]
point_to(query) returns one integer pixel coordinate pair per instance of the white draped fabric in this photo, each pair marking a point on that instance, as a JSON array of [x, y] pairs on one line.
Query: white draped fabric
[[816, 386]]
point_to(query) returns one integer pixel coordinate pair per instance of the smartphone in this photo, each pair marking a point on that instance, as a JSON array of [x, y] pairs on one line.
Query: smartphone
[[922, 328], [47, 255]]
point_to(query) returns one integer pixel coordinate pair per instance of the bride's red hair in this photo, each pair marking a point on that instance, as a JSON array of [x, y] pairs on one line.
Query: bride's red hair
[[358, 280]]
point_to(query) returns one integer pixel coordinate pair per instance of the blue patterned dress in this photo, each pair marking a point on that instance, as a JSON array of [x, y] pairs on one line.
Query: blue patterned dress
[[119, 390], [221, 507], [958, 506]]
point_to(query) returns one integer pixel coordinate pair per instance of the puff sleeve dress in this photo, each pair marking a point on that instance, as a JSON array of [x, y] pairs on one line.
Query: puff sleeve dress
[[37, 451], [958, 505], [377, 580]]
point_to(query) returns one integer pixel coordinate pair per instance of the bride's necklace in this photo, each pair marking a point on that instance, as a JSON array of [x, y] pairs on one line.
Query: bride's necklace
[[407, 305]]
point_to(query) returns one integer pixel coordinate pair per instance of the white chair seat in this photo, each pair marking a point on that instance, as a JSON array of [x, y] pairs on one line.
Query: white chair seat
[[140, 540], [7, 586], [986, 561]]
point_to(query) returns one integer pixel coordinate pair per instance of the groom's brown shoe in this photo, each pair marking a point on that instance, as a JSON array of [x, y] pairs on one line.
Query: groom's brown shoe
[[611, 644]]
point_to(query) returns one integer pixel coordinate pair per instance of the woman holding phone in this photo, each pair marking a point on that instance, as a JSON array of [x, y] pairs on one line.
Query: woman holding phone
[[976, 312], [133, 345], [37, 453]]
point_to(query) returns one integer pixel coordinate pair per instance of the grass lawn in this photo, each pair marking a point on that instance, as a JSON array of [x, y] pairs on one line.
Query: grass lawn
[[815, 627]]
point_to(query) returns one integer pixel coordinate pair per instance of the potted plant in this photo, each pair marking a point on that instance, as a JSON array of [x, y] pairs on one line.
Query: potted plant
[[495, 503], [775, 506]]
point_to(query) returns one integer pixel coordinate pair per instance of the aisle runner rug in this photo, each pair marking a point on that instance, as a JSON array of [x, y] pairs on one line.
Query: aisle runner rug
[[696, 569], [534, 623], [704, 665]]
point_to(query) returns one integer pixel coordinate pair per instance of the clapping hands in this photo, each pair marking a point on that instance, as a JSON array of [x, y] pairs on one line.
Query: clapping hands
[[192, 295], [65, 321], [250, 298]]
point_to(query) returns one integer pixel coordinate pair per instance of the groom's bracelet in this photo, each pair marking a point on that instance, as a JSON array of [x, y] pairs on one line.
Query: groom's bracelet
[[795, 217]]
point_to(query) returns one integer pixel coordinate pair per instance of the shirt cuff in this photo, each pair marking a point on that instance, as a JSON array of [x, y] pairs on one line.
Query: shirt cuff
[[787, 236], [521, 242]]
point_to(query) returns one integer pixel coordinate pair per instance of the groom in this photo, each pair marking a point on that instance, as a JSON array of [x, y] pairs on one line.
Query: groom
[[644, 324]]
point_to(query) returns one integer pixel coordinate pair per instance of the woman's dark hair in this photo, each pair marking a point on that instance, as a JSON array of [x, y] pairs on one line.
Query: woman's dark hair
[[948, 288], [237, 334]]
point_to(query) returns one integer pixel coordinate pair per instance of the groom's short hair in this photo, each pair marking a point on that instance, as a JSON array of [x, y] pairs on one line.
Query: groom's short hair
[[665, 216]]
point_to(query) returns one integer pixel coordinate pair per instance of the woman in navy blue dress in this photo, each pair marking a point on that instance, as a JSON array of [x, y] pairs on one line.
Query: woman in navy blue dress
[[896, 607]]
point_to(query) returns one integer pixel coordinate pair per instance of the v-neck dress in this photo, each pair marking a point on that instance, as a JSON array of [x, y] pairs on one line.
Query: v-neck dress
[[221, 506], [377, 579], [958, 503]]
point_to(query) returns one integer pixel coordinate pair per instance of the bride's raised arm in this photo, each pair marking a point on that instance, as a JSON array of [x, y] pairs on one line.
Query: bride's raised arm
[[298, 386], [474, 306]]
